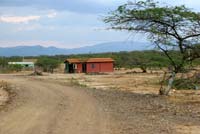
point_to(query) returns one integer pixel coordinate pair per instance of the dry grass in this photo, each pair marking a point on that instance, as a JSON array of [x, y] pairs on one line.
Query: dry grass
[[120, 80], [4, 96]]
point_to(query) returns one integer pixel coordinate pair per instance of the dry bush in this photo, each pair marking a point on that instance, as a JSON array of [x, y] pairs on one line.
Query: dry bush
[[3, 85], [191, 82]]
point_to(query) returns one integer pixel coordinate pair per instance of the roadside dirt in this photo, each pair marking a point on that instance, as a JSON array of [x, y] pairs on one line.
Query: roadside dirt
[[134, 113]]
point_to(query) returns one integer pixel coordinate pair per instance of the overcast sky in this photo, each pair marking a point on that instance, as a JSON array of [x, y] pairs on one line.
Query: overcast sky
[[63, 23]]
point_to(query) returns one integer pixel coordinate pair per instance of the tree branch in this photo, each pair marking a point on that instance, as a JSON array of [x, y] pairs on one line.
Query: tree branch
[[166, 53]]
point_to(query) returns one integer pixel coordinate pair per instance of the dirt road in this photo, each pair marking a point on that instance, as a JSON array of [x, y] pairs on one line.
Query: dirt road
[[46, 105], [49, 108]]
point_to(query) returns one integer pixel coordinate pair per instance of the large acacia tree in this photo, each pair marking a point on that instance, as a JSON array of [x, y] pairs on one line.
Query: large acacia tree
[[167, 27]]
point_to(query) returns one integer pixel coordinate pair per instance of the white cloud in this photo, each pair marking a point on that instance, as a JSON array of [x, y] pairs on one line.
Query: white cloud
[[28, 27], [18, 19], [52, 14]]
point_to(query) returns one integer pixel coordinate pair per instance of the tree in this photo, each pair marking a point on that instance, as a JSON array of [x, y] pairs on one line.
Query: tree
[[15, 67], [3, 62], [167, 27], [47, 64]]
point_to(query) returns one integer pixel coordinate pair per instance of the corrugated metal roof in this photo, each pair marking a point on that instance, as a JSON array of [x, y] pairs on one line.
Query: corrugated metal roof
[[89, 60], [73, 60], [100, 60], [22, 63]]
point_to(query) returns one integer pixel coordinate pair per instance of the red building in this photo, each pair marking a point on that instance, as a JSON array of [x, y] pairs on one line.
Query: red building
[[91, 65], [99, 65]]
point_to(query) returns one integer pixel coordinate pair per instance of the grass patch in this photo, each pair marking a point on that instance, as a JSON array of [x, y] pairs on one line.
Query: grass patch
[[75, 82], [192, 83]]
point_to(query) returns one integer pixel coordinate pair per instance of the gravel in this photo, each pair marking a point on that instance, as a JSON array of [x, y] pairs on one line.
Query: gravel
[[134, 113]]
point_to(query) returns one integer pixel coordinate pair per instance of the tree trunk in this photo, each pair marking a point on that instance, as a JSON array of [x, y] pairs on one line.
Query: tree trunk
[[166, 90], [52, 70], [144, 69]]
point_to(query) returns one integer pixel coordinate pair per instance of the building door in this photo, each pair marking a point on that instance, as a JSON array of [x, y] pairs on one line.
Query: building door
[[66, 67], [84, 67], [71, 68]]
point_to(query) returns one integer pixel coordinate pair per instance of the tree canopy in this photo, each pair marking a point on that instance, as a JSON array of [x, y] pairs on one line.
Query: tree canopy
[[48, 64], [168, 27]]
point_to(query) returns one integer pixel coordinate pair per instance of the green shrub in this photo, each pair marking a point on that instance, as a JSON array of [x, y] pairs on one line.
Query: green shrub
[[189, 83], [15, 67], [47, 64]]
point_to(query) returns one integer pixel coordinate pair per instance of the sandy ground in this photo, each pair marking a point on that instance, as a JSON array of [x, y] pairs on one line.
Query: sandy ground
[[105, 104]]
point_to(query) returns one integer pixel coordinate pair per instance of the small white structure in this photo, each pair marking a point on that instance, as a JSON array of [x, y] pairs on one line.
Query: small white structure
[[24, 64]]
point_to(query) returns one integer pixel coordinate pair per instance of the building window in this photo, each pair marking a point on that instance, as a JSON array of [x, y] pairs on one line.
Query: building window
[[92, 65]]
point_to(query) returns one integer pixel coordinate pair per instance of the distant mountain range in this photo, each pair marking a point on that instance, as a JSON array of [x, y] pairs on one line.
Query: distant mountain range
[[99, 48]]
